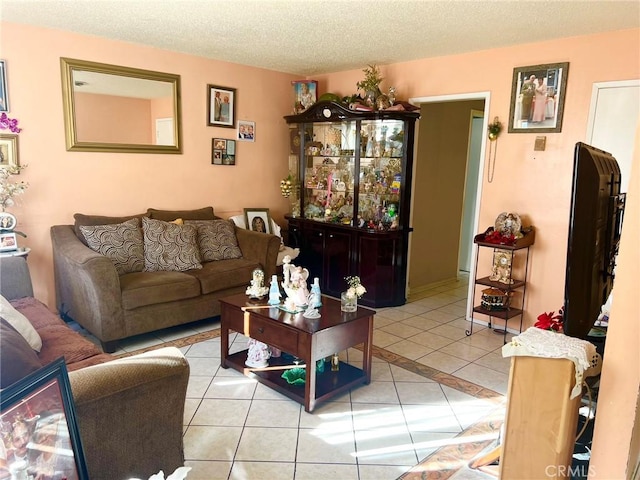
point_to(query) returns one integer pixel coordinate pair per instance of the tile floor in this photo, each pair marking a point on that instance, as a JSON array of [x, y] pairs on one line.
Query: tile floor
[[235, 428]]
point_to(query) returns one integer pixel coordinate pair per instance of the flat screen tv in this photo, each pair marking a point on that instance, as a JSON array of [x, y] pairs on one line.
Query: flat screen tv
[[595, 224]]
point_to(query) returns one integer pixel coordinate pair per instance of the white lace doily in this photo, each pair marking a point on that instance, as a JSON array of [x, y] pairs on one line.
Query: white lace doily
[[535, 342]]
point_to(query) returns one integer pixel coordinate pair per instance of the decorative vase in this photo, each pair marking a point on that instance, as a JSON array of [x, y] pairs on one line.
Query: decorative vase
[[347, 303]]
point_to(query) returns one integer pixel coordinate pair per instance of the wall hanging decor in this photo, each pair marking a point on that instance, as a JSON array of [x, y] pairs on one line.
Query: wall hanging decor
[[494, 131], [223, 151], [246, 131], [221, 106], [537, 98], [4, 96]]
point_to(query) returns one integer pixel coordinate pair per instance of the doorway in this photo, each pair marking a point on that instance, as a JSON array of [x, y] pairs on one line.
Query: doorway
[[444, 181]]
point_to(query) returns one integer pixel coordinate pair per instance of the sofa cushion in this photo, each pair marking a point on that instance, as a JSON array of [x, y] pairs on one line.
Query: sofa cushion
[[169, 247], [150, 288], [58, 340], [20, 323], [205, 213], [216, 239], [17, 358], [89, 220], [120, 242], [223, 274]]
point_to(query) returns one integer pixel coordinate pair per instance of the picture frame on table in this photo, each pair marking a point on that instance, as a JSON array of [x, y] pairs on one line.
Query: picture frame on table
[[221, 106], [305, 94], [7, 221], [39, 427], [8, 243], [258, 220], [223, 151], [246, 131], [9, 150], [4, 95], [537, 98]]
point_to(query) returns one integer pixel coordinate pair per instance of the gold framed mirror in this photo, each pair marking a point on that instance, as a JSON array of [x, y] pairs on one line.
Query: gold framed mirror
[[109, 108]]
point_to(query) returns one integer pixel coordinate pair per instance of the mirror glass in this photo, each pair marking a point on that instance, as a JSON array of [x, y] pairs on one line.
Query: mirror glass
[[109, 108]]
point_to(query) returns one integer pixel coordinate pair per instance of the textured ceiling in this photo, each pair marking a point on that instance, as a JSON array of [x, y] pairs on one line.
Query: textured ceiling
[[307, 37]]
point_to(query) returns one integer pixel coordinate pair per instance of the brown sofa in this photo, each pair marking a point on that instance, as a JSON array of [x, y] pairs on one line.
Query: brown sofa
[[90, 291], [129, 411]]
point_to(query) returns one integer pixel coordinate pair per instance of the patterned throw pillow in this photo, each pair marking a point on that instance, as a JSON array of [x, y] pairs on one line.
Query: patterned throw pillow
[[217, 239], [121, 242], [169, 247]]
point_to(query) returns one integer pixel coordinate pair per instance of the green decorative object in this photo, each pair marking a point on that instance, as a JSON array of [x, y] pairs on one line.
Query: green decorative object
[[331, 97], [372, 79], [295, 376]]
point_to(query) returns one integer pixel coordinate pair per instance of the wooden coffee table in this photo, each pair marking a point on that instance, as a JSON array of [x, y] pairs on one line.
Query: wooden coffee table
[[308, 339]]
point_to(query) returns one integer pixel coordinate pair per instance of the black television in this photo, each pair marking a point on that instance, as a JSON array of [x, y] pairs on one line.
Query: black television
[[595, 225]]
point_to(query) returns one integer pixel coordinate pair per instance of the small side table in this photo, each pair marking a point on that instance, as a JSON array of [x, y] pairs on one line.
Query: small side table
[[20, 252]]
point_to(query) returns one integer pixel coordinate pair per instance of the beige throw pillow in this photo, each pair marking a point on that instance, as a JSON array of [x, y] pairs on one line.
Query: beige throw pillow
[[216, 239], [20, 323], [120, 242], [169, 247]]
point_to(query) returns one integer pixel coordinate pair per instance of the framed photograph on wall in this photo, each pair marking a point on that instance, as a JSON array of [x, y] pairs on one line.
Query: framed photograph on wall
[[9, 150], [221, 106], [39, 428], [258, 219], [223, 151], [305, 94], [4, 96], [246, 131], [537, 98]]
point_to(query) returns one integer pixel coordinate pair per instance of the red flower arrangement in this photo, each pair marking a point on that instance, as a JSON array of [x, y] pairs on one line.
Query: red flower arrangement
[[549, 321]]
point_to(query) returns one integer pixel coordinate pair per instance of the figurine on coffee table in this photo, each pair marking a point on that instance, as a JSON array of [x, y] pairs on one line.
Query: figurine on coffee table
[[295, 283]]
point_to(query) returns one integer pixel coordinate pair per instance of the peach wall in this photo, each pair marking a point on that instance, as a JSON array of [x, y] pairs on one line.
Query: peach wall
[[112, 119], [63, 183], [615, 455], [537, 185]]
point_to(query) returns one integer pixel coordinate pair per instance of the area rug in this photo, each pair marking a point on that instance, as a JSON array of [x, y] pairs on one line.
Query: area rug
[[447, 460]]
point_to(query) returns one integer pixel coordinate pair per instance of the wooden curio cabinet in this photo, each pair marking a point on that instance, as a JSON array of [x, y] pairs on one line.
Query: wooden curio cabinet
[[350, 214]]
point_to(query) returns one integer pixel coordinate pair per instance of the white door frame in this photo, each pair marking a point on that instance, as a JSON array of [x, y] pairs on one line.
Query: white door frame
[[486, 96]]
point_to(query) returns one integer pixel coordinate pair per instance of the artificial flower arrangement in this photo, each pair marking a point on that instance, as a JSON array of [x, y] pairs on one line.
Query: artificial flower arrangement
[[549, 321], [8, 189], [356, 289]]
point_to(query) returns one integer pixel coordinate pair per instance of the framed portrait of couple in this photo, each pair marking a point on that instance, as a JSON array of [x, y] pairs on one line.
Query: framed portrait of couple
[[537, 98], [246, 131], [221, 106]]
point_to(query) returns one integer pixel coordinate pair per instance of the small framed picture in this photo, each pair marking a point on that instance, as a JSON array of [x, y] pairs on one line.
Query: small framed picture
[[8, 242], [537, 98], [258, 219], [4, 96], [221, 106], [246, 131], [39, 427], [8, 150], [223, 151], [305, 94], [7, 221]]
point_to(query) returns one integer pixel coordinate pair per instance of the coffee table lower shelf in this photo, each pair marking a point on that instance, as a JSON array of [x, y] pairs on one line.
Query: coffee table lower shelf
[[328, 383]]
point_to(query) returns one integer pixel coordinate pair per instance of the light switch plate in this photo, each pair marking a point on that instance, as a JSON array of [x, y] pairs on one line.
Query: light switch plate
[[541, 143]]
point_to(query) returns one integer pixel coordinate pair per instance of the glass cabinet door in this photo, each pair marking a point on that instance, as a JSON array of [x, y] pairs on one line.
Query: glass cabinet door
[[381, 176], [329, 171]]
